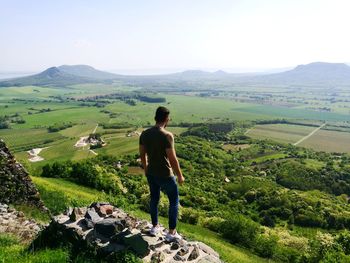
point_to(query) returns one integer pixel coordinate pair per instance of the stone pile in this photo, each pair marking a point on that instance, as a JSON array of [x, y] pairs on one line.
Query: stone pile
[[106, 229], [16, 187], [14, 222]]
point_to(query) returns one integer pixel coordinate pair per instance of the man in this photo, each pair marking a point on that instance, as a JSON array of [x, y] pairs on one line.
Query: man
[[159, 161]]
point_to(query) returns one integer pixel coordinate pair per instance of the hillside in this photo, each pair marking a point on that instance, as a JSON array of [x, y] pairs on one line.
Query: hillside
[[313, 74], [61, 76], [87, 72], [317, 73]]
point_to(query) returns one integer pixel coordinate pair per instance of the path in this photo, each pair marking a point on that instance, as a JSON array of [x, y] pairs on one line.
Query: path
[[310, 134], [95, 129]]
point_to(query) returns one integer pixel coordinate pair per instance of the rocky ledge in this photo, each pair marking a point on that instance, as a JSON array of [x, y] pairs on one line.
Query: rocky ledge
[[106, 230]]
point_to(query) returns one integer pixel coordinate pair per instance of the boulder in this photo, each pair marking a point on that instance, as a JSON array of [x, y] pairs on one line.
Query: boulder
[[91, 218], [108, 227], [194, 253], [137, 244]]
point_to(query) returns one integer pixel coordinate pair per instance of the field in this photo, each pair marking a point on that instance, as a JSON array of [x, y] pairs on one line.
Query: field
[[321, 140], [41, 107], [328, 141], [285, 133]]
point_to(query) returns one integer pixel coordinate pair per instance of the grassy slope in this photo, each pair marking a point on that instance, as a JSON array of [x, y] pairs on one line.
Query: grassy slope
[[78, 195]]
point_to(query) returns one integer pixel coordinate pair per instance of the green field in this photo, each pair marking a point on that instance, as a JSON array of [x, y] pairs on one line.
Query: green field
[[31, 102]]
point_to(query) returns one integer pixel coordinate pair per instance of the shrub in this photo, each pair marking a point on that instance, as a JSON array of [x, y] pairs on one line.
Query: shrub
[[239, 229], [265, 246], [212, 223]]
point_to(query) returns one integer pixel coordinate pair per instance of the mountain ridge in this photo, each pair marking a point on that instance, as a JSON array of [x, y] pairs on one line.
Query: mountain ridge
[[315, 73]]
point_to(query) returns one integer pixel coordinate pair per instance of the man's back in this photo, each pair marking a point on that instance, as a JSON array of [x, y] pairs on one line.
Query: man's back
[[156, 140]]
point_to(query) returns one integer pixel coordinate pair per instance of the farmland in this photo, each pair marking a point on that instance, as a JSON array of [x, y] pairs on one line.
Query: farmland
[[38, 108], [321, 140]]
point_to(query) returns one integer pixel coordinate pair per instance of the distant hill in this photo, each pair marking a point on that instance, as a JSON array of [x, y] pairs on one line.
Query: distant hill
[[317, 73], [87, 71], [62, 76]]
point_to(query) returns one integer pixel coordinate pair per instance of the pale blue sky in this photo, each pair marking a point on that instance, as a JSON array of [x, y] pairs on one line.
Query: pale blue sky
[[161, 35]]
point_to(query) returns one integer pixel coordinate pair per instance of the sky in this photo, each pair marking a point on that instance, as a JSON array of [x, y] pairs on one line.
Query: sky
[[153, 36]]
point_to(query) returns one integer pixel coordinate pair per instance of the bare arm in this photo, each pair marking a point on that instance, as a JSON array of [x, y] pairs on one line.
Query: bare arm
[[171, 154], [143, 157]]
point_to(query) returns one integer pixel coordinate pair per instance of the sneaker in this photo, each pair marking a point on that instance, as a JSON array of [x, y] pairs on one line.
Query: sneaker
[[172, 237], [154, 230]]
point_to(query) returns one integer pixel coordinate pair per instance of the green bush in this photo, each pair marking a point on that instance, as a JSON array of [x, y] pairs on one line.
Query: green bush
[[212, 223], [265, 246], [239, 229]]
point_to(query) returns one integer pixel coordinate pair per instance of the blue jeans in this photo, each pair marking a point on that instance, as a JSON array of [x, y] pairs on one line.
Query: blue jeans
[[169, 186]]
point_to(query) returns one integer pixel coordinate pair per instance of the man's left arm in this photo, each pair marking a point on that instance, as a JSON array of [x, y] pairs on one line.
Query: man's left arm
[[143, 156]]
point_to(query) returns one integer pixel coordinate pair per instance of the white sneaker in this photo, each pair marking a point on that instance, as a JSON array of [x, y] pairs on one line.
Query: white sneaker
[[172, 237], [154, 230]]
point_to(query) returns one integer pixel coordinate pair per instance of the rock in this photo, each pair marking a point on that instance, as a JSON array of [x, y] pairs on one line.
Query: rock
[[177, 257], [120, 236], [105, 210], [91, 218], [167, 251], [209, 259], [183, 251], [157, 245], [207, 249], [20, 214], [137, 244], [108, 227], [77, 213], [174, 246], [157, 257], [194, 254]]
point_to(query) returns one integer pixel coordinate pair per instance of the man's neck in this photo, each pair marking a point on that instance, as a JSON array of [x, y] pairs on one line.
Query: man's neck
[[160, 125]]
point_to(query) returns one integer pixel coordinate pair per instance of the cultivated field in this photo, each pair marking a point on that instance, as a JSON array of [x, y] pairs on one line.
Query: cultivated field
[[285, 133], [329, 141], [321, 140]]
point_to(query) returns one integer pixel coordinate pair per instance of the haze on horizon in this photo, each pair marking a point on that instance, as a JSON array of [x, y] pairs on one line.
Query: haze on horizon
[[164, 36]]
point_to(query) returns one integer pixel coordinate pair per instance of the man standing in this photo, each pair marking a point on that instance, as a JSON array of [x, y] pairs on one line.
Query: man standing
[[159, 161]]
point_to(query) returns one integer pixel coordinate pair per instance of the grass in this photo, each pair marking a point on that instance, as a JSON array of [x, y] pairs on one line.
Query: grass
[[269, 157], [315, 164], [12, 251], [58, 193]]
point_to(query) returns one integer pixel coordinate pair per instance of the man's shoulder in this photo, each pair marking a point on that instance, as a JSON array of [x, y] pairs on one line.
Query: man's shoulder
[[168, 133]]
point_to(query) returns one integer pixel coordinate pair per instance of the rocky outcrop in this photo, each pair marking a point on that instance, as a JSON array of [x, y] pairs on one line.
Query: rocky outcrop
[[14, 222], [104, 230], [15, 184]]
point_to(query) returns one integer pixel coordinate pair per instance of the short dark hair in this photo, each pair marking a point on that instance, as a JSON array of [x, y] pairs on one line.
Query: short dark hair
[[161, 114]]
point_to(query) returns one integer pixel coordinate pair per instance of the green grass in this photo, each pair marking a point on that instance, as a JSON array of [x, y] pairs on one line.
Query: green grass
[[269, 157], [315, 164], [13, 251], [58, 193]]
